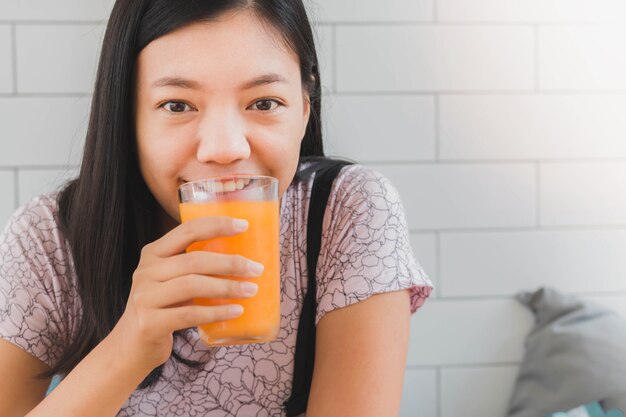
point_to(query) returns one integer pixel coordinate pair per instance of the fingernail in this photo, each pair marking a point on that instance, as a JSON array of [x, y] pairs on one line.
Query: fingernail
[[235, 310], [249, 288], [240, 225], [256, 268]]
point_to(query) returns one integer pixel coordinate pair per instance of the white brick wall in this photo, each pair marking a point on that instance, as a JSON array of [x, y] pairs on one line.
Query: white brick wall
[[45, 11], [42, 130], [7, 188], [420, 392], [451, 196], [324, 38], [473, 391], [370, 11], [425, 247], [393, 58], [6, 64], [531, 11], [501, 122], [31, 182], [532, 126], [582, 57], [455, 331], [585, 193], [500, 263], [43, 46], [354, 121]]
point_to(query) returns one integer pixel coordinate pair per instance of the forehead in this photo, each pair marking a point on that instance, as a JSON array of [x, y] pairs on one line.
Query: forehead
[[233, 46]]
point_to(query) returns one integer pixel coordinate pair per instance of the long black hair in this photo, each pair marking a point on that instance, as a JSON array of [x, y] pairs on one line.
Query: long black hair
[[108, 214]]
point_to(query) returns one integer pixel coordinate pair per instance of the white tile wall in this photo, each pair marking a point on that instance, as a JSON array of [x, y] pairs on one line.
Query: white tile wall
[[6, 63], [426, 250], [45, 10], [32, 182], [324, 38], [583, 193], [450, 196], [370, 10], [42, 131], [407, 131], [501, 122], [480, 127], [73, 49], [7, 190], [477, 392], [434, 58], [460, 332], [582, 57], [531, 10], [502, 263], [419, 397]]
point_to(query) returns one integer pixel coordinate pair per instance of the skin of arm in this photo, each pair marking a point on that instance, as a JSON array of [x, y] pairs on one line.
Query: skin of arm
[[159, 303], [100, 384], [360, 358], [20, 391]]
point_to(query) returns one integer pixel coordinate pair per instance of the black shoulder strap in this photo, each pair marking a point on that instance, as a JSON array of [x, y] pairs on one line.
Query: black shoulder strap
[[305, 343]]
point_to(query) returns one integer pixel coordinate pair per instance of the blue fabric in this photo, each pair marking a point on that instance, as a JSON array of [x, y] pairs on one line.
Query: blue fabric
[[55, 381], [590, 410]]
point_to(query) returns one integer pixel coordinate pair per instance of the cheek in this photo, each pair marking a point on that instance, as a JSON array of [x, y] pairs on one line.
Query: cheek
[[160, 152], [159, 168], [147, 150], [281, 153], [150, 161], [278, 145]]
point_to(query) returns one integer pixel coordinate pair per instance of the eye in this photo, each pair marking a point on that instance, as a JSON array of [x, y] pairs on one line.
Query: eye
[[176, 106], [266, 105]]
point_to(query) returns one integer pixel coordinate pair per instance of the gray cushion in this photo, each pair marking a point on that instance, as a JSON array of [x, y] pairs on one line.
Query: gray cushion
[[575, 354]]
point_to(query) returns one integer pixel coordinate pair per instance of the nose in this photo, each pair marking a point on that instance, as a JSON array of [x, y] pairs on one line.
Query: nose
[[222, 139]]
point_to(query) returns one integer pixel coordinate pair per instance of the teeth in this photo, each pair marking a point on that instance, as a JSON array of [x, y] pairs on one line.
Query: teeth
[[218, 187], [233, 185], [230, 186]]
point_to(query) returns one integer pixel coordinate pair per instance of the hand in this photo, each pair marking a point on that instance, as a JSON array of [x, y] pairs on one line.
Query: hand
[[167, 279]]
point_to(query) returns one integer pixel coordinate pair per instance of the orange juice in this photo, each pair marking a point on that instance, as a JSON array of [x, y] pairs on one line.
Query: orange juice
[[260, 320]]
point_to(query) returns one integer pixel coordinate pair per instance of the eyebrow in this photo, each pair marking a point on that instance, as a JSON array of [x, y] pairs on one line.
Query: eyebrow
[[269, 78]]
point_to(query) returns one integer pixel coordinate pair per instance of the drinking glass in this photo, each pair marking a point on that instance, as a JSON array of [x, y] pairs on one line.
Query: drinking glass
[[254, 198]]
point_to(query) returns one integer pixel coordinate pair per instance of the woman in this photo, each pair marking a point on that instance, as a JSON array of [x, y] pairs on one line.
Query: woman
[[95, 281]]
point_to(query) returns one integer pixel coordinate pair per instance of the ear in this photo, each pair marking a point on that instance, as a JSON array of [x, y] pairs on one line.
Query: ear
[[306, 113]]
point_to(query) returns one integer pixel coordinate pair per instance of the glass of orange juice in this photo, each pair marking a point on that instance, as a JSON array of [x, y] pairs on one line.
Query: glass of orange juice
[[254, 198]]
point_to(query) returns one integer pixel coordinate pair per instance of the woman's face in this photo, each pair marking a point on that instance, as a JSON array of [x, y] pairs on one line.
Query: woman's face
[[218, 98]]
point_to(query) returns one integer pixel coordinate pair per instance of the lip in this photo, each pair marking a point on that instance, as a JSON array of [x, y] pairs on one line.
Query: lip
[[224, 176]]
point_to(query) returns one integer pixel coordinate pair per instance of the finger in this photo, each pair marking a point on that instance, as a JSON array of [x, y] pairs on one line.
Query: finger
[[203, 228], [204, 263], [180, 318], [180, 290]]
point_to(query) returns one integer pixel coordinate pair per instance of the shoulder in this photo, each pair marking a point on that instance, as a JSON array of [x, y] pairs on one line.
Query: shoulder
[[37, 281], [358, 193], [363, 181], [366, 247], [362, 192], [33, 235], [355, 181], [40, 214]]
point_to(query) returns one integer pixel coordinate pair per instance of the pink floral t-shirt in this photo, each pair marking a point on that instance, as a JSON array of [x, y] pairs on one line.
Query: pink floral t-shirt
[[365, 251]]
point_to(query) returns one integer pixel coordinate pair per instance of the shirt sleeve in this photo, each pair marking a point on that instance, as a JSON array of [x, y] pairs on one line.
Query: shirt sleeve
[[365, 244], [36, 302]]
